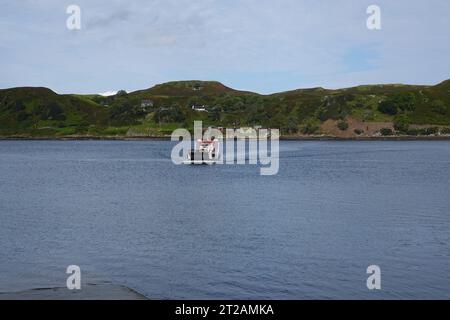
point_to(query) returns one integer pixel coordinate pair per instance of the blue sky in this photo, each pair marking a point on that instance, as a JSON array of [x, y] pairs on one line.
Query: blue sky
[[258, 45]]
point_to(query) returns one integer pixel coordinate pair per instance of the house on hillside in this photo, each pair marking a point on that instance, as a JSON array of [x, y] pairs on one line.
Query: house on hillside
[[199, 108], [145, 104]]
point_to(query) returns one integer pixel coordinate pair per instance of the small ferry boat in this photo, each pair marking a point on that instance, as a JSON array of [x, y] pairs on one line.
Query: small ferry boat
[[205, 152]]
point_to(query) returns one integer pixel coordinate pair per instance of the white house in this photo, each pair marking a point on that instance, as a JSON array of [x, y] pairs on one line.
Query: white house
[[199, 108], [146, 103]]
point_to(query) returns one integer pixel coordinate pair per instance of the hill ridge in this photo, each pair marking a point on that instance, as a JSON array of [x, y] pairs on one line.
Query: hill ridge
[[157, 110]]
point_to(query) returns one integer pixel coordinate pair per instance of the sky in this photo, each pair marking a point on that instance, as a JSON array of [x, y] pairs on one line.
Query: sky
[[257, 45]]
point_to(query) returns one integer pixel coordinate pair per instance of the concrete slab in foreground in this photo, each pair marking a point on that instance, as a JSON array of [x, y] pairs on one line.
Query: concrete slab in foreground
[[87, 292]]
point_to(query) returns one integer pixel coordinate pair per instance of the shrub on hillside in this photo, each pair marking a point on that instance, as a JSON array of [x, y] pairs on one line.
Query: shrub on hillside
[[401, 123], [439, 106], [399, 102], [121, 94], [386, 132], [167, 115], [368, 115], [309, 127], [445, 131], [430, 131], [413, 132], [321, 113], [22, 116], [342, 125], [405, 101], [122, 112], [424, 132], [388, 107]]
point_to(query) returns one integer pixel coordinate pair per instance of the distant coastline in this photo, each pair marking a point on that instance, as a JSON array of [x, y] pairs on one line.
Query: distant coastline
[[167, 138], [367, 112]]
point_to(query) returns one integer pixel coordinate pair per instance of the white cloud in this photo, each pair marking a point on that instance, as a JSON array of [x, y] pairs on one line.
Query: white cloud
[[108, 93], [260, 45]]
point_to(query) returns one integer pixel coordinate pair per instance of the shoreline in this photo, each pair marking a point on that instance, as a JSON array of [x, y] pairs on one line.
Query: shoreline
[[168, 138]]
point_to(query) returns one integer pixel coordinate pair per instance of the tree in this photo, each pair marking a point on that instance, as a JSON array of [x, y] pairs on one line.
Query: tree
[[439, 106], [172, 114], [122, 112], [291, 126], [321, 113], [55, 112], [19, 106], [176, 114], [388, 107], [279, 120], [404, 101], [214, 114], [309, 126], [401, 123], [194, 101], [22, 116], [121, 93]]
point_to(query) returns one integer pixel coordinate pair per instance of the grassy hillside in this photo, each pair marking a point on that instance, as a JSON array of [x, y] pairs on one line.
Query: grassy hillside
[[403, 109], [42, 112]]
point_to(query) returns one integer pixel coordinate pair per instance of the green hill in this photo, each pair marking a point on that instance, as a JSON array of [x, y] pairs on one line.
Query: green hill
[[190, 89], [42, 112], [405, 109]]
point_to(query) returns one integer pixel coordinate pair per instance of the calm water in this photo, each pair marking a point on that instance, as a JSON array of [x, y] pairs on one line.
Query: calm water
[[125, 214]]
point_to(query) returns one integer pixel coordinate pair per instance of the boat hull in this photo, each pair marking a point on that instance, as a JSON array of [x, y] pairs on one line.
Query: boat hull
[[200, 162], [199, 157]]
